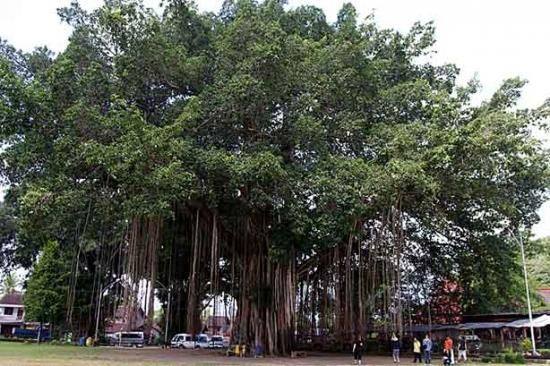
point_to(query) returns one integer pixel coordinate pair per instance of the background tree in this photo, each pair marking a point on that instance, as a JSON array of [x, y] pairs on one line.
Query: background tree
[[538, 261], [9, 284], [47, 286]]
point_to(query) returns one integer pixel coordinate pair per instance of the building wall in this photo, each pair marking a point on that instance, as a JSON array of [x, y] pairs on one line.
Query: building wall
[[17, 313]]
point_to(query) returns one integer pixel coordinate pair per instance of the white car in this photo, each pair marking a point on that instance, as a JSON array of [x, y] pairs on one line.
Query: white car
[[182, 340], [202, 341], [217, 342], [128, 339]]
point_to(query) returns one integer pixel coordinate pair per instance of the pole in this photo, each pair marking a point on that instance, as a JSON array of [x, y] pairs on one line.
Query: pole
[[167, 320], [528, 297], [98, 314], [39, 333]]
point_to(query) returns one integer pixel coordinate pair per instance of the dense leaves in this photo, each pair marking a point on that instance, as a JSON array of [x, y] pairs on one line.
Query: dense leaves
[[47, 286]]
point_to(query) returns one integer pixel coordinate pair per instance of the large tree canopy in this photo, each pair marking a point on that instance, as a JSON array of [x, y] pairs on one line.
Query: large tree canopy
[[318, 173]]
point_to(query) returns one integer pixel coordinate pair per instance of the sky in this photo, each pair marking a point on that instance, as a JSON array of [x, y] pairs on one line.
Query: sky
[[492, 40]]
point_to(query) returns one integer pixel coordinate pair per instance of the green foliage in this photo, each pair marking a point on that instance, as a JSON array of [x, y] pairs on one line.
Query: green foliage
[[303, 129], [45, 298], [9, 284], [511, 357], [526, 345], [538, 261]]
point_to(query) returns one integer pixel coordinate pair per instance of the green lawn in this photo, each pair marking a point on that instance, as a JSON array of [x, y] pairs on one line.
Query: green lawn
[[44, 351], [20, 354]]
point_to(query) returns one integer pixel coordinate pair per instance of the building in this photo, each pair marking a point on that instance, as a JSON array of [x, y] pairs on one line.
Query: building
[[545, 295], [120, 321], [12, 312], [218, 324]]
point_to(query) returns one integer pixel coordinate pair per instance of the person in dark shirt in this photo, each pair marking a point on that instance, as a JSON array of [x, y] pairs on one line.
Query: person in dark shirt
[[358, 350], [462, 348], [395, 348]]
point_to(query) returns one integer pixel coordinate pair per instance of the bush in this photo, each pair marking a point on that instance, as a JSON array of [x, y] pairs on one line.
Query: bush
[[511, 357], [526, 345], [485, 359]]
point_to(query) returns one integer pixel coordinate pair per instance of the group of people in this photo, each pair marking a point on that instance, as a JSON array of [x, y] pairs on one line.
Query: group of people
[[419, 349]]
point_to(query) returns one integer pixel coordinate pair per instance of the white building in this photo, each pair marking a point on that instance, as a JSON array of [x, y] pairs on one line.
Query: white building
[[12, 312]]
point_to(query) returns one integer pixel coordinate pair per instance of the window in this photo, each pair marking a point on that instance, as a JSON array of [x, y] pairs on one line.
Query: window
[[8, 311], [20, 313]]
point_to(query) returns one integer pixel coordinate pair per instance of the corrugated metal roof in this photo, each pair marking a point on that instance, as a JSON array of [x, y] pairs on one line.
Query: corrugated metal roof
[[539, 322], [483, 325]]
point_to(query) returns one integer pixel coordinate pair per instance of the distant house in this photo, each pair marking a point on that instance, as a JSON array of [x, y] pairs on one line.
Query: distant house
[[121, 320], [217, 324], [545, 294], [12, 312]]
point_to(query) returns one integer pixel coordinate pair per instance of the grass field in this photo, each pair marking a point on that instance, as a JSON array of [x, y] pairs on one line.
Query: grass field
[[19, 354]]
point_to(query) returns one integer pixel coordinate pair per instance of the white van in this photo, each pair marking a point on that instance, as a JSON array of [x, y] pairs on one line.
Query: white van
[[202, 341], [128, 339], [182, 340]]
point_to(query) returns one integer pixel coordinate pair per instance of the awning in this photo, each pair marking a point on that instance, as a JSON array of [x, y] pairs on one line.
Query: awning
[[482, 325], [539, 322], [421, 328]]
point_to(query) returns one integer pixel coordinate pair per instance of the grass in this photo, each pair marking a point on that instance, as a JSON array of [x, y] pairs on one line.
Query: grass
[[20, 354], [44, 351]]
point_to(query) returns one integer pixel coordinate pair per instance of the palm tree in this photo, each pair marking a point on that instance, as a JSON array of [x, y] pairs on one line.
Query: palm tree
[[9, 284]]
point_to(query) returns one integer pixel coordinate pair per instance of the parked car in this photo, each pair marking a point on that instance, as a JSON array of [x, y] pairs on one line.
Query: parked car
[[182, 340], [473, 341], [217, 342], [128, 339], [202, 341]]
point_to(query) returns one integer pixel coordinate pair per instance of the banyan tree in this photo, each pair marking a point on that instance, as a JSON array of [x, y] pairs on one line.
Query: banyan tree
[[323, 177]]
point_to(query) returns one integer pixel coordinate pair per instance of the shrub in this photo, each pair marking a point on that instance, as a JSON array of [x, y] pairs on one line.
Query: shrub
[[511, 357], [526, 345]]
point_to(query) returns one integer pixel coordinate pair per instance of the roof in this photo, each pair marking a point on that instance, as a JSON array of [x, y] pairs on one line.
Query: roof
[[539, 322], [545, 293], [13, 298], [483, 325], [499, 317]]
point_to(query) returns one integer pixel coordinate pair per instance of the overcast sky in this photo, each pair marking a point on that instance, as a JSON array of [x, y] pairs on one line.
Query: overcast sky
[[493, 39]]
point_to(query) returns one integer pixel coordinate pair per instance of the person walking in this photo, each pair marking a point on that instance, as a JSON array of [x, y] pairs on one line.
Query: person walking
[[417, 350], [446, 357], [358, 350], [427, 345], [395, 348], [448, 347], [462, 348], [258, 350]]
